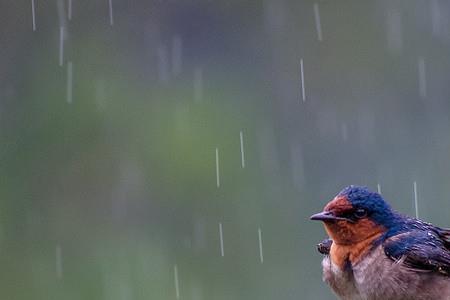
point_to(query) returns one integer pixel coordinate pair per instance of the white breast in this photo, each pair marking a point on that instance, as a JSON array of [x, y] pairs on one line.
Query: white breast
[[342, 282], [376, 277]]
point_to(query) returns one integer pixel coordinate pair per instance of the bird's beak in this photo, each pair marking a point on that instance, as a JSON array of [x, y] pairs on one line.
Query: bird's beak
[[326, 216]]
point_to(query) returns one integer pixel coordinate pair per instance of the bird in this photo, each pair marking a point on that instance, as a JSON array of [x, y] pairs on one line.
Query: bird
[[374, 252]]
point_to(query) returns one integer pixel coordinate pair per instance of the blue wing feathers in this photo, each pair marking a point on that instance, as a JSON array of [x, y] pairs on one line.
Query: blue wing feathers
[[423, 247]]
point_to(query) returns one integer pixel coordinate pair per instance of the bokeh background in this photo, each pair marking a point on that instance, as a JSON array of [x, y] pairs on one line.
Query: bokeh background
[[111, 113]]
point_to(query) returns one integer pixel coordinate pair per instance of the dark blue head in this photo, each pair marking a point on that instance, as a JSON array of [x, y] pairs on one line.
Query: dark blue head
[[355, 213], [372, 203]]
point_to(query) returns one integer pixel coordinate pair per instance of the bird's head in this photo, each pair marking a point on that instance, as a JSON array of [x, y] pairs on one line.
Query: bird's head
[[355, 214]]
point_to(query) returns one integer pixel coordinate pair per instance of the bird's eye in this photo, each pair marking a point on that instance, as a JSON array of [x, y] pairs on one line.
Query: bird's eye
[[360, 213]]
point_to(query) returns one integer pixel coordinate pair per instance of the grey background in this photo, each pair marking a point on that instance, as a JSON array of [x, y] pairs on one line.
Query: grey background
[[102, 194]]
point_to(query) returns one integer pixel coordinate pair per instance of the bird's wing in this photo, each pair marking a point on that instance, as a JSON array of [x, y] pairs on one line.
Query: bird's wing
[[419, 250], [444, 234]]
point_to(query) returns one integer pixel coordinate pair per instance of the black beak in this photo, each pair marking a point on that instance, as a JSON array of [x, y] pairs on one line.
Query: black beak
[[327, 216]]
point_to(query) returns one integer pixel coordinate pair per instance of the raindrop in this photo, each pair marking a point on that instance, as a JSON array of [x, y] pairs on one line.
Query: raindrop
[[69, 10], [177, 287], [241, 136], [61, 46], [111, 18], [302, 77], [318, 23], [217, 168], [33, 13], [222, 253], [435, 17], [416, 202], [379, 188], [261, 256]]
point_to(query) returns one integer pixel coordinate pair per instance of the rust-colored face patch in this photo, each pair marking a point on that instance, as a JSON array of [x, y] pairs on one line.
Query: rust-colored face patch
[[351, 238], [347, 233], [338, 205]]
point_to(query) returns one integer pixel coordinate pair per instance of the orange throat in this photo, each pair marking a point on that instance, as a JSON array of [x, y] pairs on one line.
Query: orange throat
[[351, 242]]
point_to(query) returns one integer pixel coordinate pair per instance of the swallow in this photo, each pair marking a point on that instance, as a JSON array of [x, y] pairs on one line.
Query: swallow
[[375, 253]]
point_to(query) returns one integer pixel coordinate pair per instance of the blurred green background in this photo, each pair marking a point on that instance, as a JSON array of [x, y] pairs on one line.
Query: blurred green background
[[108, 162]]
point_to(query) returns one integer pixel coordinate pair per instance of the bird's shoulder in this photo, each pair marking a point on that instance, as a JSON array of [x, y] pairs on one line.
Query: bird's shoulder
[[419, 246]]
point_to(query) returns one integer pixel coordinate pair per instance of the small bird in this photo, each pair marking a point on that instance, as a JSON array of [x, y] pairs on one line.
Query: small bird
[[376, 253]]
